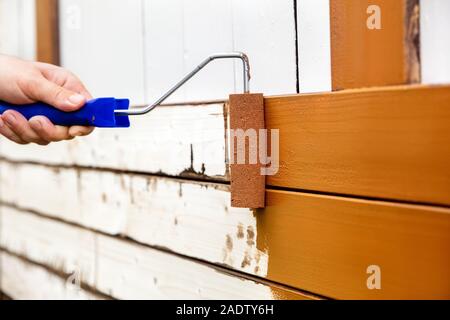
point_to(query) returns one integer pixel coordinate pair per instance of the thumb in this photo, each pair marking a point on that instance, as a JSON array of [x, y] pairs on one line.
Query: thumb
[[57, 96]]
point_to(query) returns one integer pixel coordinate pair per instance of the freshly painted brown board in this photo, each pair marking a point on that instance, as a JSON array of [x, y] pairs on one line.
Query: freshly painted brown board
[[47, 31], [325, 244], [390, 143], [363, 55]]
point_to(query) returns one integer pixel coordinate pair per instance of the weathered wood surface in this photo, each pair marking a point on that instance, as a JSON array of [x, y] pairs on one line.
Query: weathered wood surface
[[21, 280], [277, 243], [192, 218], [120, 269], [174, 140], [382, 143]]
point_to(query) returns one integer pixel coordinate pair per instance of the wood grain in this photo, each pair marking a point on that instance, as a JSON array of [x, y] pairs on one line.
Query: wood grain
[[384, 142], [325, 244], [121, 269], [21, 280], [102, 43], [193, 218], [361, 57], [177, 140], [47, 31], [321, 244]]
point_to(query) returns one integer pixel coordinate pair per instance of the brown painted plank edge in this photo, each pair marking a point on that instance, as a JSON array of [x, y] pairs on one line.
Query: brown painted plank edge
[[364, 57], [324, 245], [387, 143], [47, 31]]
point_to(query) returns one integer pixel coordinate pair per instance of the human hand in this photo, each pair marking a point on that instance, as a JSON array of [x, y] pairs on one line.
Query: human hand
[[23, 82]]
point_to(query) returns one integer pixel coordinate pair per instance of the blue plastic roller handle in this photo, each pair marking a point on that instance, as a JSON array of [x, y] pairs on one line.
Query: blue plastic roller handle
[[96, 113]]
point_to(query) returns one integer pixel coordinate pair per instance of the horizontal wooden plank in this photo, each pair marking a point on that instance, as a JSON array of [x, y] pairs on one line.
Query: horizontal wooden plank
[[50, 243], [384, 142], [187, 217], [123, 269], [320, 244], [174, 140], [326, 244], [26, 281]]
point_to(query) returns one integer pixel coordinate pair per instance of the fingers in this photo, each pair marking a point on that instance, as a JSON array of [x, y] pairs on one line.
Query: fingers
[[48, 131], [79, 131], [8, 133], [63, 78], [61, 98], [19, 130]]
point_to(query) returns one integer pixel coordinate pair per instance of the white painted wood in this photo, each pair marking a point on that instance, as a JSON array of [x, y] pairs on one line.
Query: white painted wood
[[27, 33], [194, 219], [24, 281], [170, 140], [123, 269], [314, 45], [435, 41], [181, 33], [69, 195], [9, 27], [48, 242], [265, 30], [102, 42], [207, 27], [129, 271], [164, 56]]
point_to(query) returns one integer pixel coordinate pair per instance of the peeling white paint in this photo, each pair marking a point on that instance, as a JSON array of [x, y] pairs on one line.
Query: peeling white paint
[[191, 218], [113, 266], [164, 141], [48, 242], [24, 281], [133, 272]]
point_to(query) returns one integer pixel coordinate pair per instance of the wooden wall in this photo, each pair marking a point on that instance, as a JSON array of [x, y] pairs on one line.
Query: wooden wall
[[145, 212]]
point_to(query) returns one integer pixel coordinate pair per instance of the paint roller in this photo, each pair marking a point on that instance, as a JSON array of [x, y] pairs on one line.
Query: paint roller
[[246, 112]]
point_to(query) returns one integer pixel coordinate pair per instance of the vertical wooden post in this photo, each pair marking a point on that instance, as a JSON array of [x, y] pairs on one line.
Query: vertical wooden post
[[47, 31], [374, 43]]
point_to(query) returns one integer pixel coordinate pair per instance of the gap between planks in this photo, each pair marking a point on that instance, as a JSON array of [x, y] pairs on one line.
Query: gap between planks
[[218, 267]]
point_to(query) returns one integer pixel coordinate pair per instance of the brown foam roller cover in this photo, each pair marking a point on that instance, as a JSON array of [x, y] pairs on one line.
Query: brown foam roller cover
[[247, 182]]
